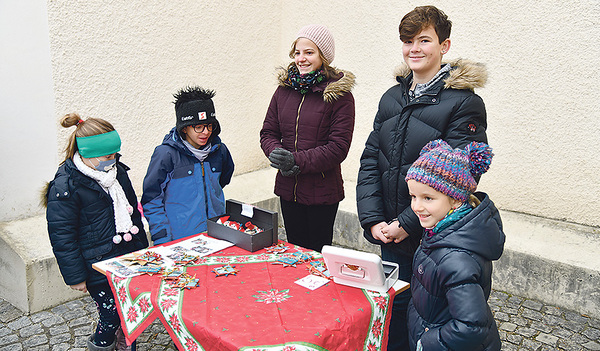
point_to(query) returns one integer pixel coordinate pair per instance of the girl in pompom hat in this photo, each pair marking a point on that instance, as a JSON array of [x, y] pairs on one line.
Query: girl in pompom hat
[[92, 215], [307, 134], [452, 268]]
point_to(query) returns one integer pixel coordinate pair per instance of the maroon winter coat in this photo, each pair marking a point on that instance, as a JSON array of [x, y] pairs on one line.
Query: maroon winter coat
[[317, 128]]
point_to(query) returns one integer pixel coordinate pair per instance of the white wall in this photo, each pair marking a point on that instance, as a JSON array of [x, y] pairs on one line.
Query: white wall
[[542, 95], [28, 154], [122, 61]]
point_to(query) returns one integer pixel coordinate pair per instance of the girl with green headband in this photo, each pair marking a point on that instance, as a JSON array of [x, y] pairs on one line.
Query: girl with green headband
[[92, 215]]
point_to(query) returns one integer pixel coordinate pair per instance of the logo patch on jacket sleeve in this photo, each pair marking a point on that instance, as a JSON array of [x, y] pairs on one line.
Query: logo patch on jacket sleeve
[[472, 127]]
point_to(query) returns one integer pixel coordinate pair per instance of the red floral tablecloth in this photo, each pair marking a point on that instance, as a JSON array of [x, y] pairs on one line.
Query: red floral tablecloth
[[259, 308]]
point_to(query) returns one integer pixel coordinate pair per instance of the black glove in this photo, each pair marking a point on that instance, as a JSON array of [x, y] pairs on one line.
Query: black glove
[[292, 172], [282, 159]]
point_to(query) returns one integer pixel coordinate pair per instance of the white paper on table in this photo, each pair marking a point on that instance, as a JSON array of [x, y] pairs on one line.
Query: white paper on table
[[312, 282], [197, 246], [117, 267]]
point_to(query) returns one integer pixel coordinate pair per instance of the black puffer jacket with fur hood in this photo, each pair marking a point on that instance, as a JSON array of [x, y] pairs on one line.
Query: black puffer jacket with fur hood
[[450, 110]]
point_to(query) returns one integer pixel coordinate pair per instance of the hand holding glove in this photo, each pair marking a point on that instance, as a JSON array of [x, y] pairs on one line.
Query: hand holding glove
[[282, 159]]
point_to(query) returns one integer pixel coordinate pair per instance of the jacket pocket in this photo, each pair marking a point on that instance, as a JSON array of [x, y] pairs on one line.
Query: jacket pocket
[[97, 253], [182, 172]]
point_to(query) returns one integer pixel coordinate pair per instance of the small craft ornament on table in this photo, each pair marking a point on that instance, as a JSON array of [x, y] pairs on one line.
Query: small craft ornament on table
[[302, 256], [318, 268], [149, 269], [148, 257], [192, 283], [287, 261], [173, 273], [177, 277], [185, 259], [225, 270], [277, 249], [186, 282]]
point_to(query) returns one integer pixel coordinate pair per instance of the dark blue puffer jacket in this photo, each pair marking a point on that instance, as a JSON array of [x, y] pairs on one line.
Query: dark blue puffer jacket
[[452, 280], [450, 110], [180, 192], [81, 223]]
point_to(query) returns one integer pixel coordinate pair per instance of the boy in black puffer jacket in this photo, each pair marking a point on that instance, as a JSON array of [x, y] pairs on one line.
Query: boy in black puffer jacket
[[452, 268], [432, 100]]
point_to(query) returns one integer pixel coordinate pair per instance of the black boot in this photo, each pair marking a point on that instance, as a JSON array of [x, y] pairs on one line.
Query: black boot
[[92, 347], [121, 344]]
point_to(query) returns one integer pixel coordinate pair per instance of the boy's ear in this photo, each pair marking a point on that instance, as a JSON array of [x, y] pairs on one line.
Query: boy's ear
[[445, 46]]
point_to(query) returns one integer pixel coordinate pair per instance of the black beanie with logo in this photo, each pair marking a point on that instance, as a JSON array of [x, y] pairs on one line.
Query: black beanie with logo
[[194, 105]]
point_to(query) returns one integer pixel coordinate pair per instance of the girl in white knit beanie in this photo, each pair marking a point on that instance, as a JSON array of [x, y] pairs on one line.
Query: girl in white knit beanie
[[307, 134]]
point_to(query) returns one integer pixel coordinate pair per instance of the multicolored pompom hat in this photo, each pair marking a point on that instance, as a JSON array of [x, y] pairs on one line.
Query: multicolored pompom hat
[[451, 171]]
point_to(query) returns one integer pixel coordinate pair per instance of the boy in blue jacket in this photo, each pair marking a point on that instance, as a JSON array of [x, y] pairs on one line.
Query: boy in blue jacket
[[187, 172]]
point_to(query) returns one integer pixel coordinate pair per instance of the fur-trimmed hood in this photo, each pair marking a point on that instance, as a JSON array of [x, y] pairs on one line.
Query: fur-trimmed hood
[[464, 75], [44, 195], [334, 88]]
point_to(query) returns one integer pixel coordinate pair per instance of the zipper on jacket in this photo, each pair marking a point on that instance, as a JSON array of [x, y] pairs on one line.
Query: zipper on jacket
[[296, 144], [205, 192]]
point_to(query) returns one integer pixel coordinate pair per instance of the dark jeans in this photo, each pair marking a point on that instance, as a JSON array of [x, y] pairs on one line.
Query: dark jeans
[[398, 331], [109, 321], [310, 226]]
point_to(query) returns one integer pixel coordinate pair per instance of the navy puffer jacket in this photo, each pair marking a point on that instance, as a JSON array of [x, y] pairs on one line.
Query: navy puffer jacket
[[81, 223], [450, 111], [452, 280]]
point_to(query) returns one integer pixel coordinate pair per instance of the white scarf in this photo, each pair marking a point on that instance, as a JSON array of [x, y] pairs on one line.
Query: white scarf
[[108, 182]]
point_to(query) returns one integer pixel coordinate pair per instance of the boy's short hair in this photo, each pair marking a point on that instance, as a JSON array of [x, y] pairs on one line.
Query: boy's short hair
[[422, 17]]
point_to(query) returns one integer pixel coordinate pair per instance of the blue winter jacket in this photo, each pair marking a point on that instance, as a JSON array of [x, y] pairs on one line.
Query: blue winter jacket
[[180, 192], [452, 280]]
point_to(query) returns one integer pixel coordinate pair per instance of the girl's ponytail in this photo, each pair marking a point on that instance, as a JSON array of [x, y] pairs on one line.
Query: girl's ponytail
[[89, 127], [70, 119]]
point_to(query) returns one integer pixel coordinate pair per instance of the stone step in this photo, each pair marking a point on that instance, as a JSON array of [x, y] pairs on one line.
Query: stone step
[[29, 276], [547, 260]]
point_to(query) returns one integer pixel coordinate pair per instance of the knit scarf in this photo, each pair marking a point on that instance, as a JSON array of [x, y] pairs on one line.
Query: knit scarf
[[452, 217], [108, 182], [303, 82]]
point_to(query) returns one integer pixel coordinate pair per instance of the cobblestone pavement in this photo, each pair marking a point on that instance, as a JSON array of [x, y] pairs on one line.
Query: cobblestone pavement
[[524, 325]]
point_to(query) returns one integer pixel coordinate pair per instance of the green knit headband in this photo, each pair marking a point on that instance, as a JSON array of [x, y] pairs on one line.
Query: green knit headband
[[99, 144]]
